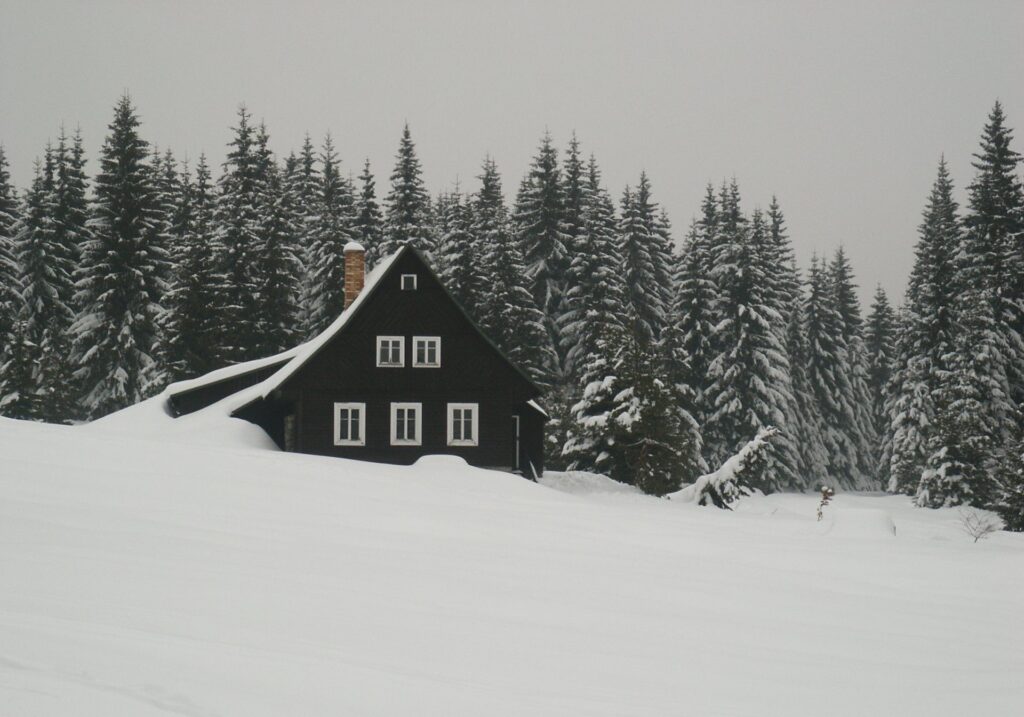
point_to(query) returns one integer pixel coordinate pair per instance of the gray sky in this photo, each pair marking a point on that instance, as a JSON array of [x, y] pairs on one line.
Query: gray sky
[[841, 109]]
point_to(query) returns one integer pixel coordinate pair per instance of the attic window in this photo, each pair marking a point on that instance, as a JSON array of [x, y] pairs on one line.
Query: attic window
[[408, 282]]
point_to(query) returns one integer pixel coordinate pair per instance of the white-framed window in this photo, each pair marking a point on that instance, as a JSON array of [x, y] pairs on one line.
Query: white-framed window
[[408, 282], [391, 351], [426, 351], [350, 424], [463, 424], [406, 424]]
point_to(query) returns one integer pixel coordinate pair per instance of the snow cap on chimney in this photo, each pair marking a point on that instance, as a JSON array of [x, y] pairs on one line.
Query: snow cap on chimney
[[355, 271]]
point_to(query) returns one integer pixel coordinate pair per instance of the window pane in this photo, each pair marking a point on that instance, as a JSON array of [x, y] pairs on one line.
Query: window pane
[[432, 353], [343, 424], [421, 356], [354, 430], [456, 424], [400, 428], [384, 352], [467, 425], [411, 424]]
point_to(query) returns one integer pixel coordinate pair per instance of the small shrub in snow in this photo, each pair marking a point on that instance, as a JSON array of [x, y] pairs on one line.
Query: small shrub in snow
[[826, 497], [979, 525]]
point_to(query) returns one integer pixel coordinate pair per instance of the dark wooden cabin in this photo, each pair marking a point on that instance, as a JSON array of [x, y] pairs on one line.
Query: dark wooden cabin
[[402, 373]]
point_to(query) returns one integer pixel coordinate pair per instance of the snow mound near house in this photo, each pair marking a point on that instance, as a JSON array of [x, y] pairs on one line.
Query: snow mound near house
[[153, 566], [585, 483]]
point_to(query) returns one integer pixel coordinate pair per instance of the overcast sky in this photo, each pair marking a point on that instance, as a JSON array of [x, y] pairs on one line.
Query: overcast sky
[[841, 109]]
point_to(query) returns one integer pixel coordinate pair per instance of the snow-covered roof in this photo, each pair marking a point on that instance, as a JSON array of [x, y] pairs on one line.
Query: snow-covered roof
[[232, 371], [536, 406], [295, 357]]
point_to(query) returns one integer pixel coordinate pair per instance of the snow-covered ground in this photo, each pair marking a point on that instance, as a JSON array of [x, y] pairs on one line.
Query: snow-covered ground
[[154, 567]]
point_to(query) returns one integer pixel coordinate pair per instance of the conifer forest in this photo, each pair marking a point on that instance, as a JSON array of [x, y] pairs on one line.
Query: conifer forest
[[663, 349]]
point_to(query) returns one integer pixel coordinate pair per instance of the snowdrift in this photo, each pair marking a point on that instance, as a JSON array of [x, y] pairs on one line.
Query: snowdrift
[[148, 569]]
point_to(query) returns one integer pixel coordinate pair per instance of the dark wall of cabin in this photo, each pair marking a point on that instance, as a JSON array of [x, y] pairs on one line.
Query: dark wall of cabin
[[471, 371]]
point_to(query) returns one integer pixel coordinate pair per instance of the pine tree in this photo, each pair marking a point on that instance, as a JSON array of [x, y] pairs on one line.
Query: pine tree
[[628, 424], [19, 398], [692, 314], [302, 183], [237, 222], [1010, 485], [276, 264], [507, 312], [122, 277], [334, 229], [11, 306], [828, 378], [596, 291], [995, 234], [369, 221], [807, 424], [926, 336], [860, 428], [647, 260], [750, 374], [407, 217], [575, 191], [540, 230], [880, 343], [195, 298], [457, 254]]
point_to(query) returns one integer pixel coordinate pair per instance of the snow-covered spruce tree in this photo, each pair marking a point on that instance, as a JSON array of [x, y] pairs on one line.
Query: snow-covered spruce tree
[[122, 277], [1009, 476], [11, 306], [540, 230], [628, 424], [237, 222], [806, 422], [369, 220], [276, 264], [334, 229], [658, 444], [737, 477], [457, 256], [18, 395], [196, 295], [861, 426], [507, 312], [829, 381], [994, 226], [647, 260], [57, 400], [595, 298], [969, 426], [302, 184], [407, 206], [692, 313], [880, 343], [750, 374], [596, 290], [926, 336]]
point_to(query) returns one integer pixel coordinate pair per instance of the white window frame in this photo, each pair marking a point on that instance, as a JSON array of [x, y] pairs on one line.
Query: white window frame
[[401, 351], [417, 439], [361, 439], [415, 281], [415, 353], [475, 424]]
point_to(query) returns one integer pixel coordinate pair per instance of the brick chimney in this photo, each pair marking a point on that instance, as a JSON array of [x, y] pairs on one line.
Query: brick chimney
[[355, 271]]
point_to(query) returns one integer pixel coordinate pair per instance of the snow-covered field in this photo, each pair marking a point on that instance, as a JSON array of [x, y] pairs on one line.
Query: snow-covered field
[[155, 567]]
